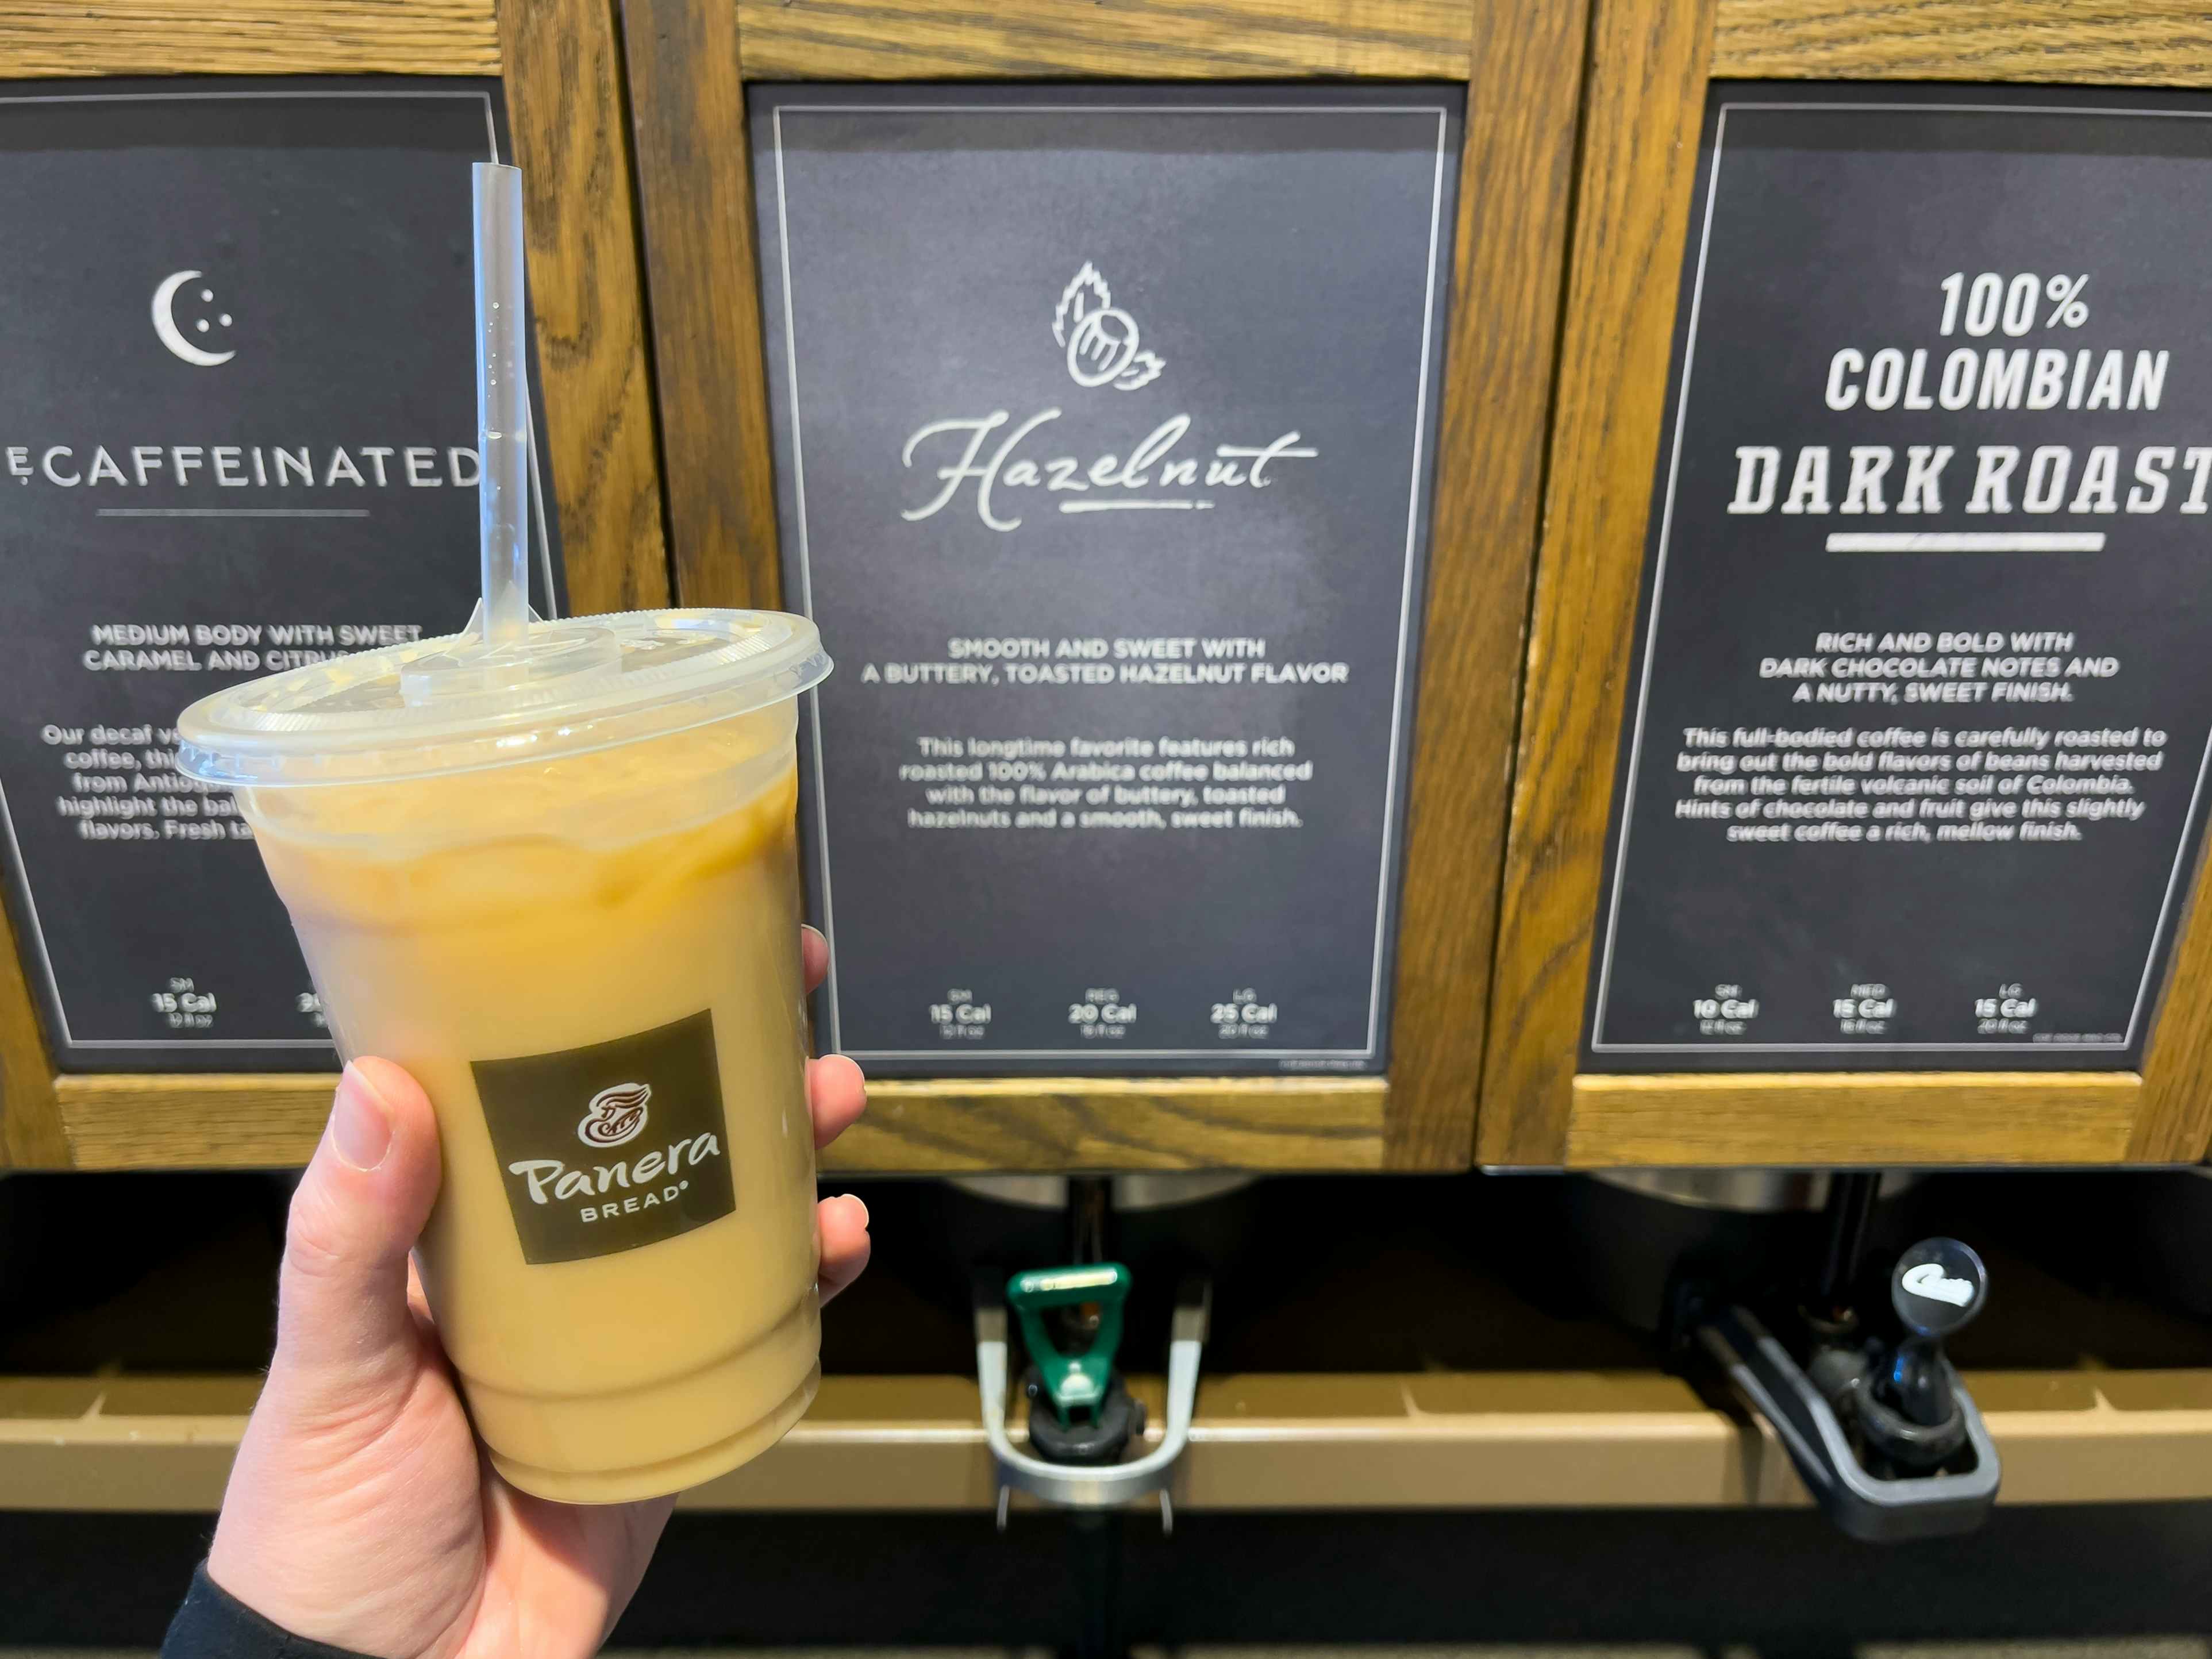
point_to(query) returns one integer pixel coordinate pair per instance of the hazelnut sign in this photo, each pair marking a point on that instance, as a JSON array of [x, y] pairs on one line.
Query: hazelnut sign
[[1105, 423]]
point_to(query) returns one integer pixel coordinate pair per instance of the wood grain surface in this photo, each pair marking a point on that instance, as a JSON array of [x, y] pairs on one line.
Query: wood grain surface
[[2175, 1122], [1920, 1118], [30, 1128], [565, 104], [1643, 107], [247, 36], [1517, 180], [249, 1121], [1099, 1123], [213, 1121], [2091, 42], [695, 181], [1144, 39]]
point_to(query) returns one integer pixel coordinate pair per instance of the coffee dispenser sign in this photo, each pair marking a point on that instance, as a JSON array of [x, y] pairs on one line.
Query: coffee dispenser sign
[[1913, 767], [1104, 423], [236, 436]]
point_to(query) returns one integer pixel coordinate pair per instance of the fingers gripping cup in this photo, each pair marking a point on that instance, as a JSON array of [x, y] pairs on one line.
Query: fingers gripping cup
[[555, 879]]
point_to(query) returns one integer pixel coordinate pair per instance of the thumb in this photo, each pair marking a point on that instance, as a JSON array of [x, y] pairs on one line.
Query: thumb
[[343, 1321]]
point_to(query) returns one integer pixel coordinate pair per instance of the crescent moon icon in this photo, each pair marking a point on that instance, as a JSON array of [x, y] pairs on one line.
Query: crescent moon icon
[[165, 323]]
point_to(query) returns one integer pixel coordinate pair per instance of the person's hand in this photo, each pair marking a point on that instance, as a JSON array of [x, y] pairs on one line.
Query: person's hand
[[359, 1512]]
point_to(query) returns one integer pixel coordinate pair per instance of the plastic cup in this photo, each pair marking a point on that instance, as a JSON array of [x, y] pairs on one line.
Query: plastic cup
[[558, 883]]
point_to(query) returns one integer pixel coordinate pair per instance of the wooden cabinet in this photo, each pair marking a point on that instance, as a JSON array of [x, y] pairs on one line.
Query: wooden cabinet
[[689, 64], [560, 63], [1645, 106]]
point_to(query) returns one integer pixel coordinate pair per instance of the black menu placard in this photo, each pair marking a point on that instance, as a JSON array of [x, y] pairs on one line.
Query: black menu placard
[[1105, 420], [1913, 766], [237, 430]]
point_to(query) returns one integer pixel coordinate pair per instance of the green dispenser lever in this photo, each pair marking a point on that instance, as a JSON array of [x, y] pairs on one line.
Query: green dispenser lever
[[1073, 1382]]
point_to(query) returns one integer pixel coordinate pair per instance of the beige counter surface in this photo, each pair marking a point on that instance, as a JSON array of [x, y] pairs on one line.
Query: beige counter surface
[[1436, 1439]]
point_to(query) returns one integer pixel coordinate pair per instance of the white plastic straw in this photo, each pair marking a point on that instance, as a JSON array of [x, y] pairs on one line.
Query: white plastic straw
[[503, 406]]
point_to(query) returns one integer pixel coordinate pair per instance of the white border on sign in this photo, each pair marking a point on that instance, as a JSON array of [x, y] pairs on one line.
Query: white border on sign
[[1643, 685], [1383, 909], [38, 938]]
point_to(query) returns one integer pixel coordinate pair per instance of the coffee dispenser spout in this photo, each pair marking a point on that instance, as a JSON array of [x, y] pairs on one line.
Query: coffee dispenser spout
[[1882, 1431], [1082, 1418]]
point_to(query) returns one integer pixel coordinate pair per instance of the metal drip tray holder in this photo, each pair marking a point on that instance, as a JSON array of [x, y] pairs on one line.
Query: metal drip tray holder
[[1098, 1487]]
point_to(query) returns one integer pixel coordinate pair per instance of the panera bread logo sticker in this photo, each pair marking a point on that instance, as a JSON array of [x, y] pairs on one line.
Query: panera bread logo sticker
[[654, 1162], [617, 1116]]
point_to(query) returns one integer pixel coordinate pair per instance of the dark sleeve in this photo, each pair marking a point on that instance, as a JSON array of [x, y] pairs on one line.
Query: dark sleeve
[[213, 1624]]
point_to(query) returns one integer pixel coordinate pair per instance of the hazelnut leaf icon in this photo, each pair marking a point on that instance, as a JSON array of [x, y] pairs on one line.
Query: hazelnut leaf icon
[[1084, 294], [1144, 368]]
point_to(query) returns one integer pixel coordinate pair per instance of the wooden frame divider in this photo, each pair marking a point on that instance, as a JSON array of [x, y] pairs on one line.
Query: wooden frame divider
[[560, 61], [1650, 61], [1522, 62]]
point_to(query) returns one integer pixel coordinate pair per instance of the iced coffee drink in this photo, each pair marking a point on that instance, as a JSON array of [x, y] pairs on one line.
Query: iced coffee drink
[[564, 894]]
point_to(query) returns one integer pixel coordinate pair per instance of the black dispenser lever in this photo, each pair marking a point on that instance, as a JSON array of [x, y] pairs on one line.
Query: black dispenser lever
[[1882, 1433]]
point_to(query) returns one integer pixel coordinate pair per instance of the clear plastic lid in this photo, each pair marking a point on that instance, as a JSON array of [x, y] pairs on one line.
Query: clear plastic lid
[[451, 705]]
